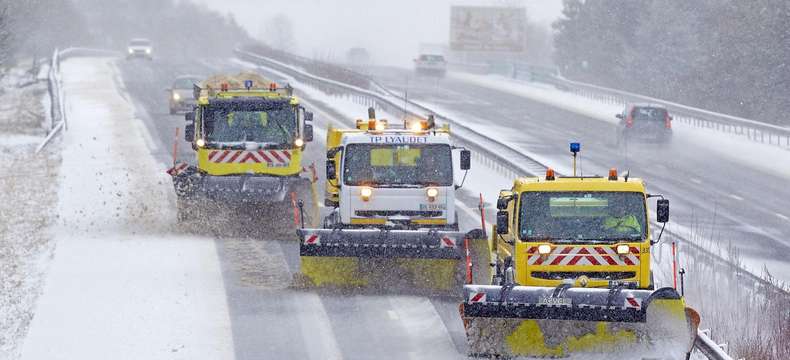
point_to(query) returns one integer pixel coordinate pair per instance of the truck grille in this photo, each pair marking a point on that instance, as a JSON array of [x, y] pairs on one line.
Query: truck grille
[[593, 275], [388, 213]]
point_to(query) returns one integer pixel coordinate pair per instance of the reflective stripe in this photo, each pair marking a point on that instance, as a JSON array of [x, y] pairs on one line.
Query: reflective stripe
[[583, 255]]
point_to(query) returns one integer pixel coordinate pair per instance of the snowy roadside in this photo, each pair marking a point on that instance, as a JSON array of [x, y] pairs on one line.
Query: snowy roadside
[[121, 285], [27, 195]]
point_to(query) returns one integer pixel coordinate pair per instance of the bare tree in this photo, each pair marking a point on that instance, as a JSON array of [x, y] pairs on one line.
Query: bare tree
[[278, 33]]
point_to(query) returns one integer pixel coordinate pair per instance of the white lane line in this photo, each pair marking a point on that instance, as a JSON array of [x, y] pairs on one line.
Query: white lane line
[[696, 181], [392, 315], [428, 336], [736, 197], [317, 326], [783, 217]]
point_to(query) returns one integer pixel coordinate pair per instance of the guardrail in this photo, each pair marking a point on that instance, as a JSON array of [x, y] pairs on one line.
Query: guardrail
[[748, 128], [713, 351], [498, 155], [57, 112]]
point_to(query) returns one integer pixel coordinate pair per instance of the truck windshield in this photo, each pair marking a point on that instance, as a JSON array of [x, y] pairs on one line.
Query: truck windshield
[[605, 217], [232, 125], [398, 165]]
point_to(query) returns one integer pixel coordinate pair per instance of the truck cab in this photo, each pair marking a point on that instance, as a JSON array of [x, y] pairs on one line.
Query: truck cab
[[401, 178], [592, 231]]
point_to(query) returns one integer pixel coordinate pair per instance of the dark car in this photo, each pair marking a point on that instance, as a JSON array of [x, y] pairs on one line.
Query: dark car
[[644, 122], [181, 93]]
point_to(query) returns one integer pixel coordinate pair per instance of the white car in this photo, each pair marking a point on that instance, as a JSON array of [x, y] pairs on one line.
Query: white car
[[139, 48], [429, 64]]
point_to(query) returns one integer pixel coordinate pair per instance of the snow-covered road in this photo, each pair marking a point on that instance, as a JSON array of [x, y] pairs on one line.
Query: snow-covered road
[[122, 285]]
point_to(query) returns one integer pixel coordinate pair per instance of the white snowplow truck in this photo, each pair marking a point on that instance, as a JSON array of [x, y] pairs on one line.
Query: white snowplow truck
[[391, 192]]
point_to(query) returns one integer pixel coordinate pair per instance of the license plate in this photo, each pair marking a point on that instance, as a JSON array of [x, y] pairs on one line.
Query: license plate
[[432, 207], [554, 301]]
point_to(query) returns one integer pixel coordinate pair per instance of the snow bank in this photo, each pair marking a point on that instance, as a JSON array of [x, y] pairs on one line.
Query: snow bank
[[121, 285]]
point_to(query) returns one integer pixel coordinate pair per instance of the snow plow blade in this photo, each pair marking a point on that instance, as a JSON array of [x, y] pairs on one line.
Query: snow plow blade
[[413, 259], [535, 321]]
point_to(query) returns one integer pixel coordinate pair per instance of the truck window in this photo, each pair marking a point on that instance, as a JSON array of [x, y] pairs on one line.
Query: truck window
[[606, 217], [229, 125], [393, 165]]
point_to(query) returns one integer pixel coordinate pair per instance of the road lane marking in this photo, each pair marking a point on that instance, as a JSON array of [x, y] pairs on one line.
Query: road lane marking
[[392, 315], [736, 197], [783, 217], [696, 181]]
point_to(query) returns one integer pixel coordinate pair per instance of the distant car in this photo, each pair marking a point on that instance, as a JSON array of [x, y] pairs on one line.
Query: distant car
[[430, 64], [646, 122], [139, 48], [181, 95]]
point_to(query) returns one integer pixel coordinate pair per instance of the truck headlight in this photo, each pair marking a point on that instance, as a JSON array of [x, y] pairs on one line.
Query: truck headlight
[[365, 193], [623, 249], [544, 249], [131, 51], [176, 97], [200, 142], [148, 51], [298, 142], [432, 193]]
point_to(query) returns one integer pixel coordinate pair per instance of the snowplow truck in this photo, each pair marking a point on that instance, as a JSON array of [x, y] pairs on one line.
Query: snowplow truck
[[572, 275], [392, 220], [249, 137]]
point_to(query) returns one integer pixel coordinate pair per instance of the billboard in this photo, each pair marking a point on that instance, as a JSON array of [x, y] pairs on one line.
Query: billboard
[[479, 28]]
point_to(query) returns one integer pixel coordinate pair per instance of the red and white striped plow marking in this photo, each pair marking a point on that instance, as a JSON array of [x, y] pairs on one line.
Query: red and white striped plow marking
[[632, 302], [271, 157], [313, 239], [447, 242], [178, 169], [583, 255], [478, 297]]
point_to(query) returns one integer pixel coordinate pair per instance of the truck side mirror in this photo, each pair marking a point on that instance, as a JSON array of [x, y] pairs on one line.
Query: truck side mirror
[[189, 132], [308, 132], [308, 116], [502, 221], [619, 116], [466, 159], [189, 117], [331, 170], [662, 211], [501, 203]]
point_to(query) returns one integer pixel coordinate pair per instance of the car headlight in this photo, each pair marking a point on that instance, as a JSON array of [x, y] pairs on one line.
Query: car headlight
[[148, 51], [131, 51], [365, 193], [544, 249], [623, 249], [176, 97]]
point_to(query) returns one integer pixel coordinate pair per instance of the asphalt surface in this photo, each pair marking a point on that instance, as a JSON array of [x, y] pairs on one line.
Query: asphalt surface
[[724, 202], [271, 318]]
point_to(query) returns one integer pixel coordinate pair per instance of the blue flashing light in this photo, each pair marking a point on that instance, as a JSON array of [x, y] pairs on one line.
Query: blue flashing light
[[576, 147], [248, 84]]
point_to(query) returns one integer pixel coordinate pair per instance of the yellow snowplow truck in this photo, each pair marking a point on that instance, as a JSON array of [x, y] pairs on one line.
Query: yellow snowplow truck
[[249, 137], [573, 275], [392, 217]]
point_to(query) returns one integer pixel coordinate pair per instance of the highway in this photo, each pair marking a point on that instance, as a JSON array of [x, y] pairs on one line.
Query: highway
[[270, 317], [722, 200]]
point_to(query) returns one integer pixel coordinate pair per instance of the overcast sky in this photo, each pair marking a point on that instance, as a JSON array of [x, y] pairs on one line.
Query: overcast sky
[[392, 31]]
